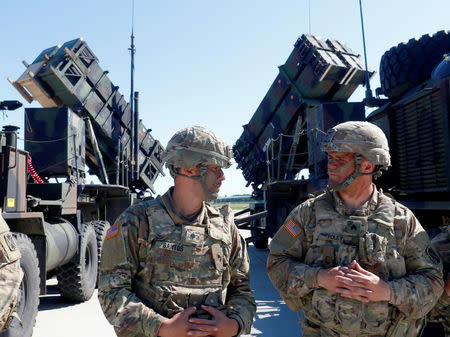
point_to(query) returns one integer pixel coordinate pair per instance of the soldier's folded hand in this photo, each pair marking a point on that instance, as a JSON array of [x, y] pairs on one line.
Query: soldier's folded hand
[[362, 285], [331, 278], [223, 326], [179, 326]]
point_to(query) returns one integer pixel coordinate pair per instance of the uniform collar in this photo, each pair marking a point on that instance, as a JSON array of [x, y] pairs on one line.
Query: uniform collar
[[199, 218], [366, 209]]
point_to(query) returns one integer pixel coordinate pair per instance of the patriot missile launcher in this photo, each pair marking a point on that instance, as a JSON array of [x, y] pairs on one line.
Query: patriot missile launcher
[[59, 219], [282, 139]]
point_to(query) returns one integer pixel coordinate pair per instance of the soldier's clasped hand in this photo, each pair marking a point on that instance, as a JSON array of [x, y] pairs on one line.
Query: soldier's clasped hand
[[362, 285], [180, 326], [219, 326]]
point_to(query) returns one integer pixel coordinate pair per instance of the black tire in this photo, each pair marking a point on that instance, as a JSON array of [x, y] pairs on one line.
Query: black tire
[[409, 63], [28, 300], [76, 280], [262, 242], [100, 228]]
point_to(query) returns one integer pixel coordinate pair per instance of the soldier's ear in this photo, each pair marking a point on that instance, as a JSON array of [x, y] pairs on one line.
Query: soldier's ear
[[366, 166], [189, 172]]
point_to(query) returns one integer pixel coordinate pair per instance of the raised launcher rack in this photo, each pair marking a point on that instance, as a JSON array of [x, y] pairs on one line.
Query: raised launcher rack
[[69, 75], [316, 72]]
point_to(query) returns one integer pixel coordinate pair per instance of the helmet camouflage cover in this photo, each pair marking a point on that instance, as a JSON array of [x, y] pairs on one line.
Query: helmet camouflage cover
[[196, 145], [363, 138]]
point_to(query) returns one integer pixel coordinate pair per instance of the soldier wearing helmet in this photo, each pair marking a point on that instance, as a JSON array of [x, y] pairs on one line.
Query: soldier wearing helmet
[[176, 266], [355, 260]]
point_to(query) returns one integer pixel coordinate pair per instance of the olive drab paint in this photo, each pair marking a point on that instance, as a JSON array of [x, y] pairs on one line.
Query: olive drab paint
[[315, 82], [55, 138], [75, 79]]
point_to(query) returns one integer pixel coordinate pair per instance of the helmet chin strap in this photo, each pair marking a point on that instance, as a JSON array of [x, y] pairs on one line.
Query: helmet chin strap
[[357, 173], [201, 178]]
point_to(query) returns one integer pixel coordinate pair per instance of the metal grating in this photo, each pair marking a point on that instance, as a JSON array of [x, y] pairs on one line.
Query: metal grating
[[421, 155]]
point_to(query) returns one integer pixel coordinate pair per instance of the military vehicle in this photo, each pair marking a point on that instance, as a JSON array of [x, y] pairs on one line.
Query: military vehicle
[[279, 150], [59, 219]]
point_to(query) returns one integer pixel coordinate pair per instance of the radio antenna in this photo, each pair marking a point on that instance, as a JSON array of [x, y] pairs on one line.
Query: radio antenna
[[309, 15], [132, 49], [368, 90]]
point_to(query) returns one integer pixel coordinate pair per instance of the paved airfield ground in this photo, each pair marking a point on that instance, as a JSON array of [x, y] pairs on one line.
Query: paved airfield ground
[[59, 319]]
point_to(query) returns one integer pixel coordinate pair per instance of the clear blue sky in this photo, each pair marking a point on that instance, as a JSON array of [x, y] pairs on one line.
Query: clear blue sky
[[206, 62]]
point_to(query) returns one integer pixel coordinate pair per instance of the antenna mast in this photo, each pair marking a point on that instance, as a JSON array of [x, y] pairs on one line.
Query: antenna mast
[[132, 49], [309, 15], [368, 90]]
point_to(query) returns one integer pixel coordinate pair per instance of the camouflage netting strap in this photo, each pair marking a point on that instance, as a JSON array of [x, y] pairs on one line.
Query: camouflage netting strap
[[10, 274]]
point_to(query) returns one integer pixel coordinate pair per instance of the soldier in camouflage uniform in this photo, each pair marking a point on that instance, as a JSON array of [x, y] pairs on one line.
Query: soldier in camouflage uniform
[[176, 266], [10, 275], [355, 260], [441, 312]]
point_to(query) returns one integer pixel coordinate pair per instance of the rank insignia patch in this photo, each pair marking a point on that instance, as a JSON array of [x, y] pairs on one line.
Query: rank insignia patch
[[112, 231], [292, 228]]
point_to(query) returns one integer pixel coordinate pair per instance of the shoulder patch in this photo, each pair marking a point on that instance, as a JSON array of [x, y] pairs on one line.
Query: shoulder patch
[[112, 231], [292, 227], [10, 241]]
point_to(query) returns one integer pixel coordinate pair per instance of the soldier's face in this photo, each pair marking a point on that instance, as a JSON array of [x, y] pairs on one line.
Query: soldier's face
[[340, 166], [213, 179]]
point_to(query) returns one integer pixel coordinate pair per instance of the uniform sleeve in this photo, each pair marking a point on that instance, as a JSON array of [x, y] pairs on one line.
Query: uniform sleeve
[[240, 301], [417, 292], [119, 265], [10, 274], [289, 275]]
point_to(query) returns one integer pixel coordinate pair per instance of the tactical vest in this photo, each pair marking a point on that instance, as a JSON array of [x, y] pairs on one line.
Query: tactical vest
[[185, 265], [10, 275], [336, 240]]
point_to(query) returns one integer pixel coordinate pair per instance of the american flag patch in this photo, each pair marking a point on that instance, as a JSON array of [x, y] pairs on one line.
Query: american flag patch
[[292, 228], [112, 231]]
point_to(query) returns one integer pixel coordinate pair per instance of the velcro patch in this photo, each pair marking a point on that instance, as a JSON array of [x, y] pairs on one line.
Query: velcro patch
[[292, 228], [112, 231], [10, 241]]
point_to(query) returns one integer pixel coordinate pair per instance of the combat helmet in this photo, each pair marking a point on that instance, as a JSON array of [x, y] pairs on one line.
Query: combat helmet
[[363, 139], [194, 146]]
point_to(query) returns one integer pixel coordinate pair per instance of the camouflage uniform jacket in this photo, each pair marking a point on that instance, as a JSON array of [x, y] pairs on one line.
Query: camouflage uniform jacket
[[383, 236], [156, 263], [10, 274], [441, 312]]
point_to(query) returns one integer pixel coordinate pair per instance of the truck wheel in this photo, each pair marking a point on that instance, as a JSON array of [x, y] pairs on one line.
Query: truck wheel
[[76, 280], [100, 228], [409, 63], [262, 242], [28, 300]]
